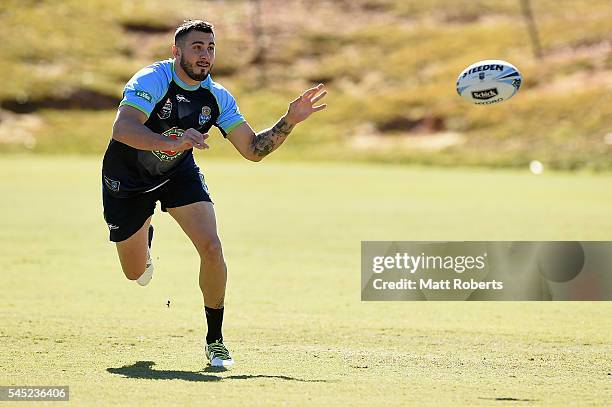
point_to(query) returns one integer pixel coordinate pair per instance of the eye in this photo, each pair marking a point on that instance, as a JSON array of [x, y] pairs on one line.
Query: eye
[[211, 48]]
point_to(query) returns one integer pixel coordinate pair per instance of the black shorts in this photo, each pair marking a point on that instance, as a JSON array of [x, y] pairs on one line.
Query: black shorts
[[125, 216]]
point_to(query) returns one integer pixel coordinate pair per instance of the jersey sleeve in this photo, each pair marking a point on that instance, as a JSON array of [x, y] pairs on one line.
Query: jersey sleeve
[[145, 89], [229, 114]]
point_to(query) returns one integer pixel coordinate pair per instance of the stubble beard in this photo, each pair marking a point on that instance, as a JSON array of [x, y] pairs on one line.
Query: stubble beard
[[190, 71]]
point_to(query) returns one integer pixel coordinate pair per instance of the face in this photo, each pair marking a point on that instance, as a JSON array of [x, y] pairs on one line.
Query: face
[[196, 53]]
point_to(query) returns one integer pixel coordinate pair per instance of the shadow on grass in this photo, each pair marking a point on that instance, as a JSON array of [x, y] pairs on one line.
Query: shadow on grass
[[144, 370]]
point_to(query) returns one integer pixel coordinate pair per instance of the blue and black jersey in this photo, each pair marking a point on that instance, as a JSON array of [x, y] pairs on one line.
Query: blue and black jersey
[[171, 107]]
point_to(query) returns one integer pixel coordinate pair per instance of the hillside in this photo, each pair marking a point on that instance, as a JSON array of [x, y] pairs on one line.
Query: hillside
[[390, 65]]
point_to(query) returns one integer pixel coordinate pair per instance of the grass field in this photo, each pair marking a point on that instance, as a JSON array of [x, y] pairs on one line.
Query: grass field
[[294, 319]]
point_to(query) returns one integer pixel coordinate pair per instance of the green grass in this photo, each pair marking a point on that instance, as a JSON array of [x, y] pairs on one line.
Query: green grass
[[294, 320]]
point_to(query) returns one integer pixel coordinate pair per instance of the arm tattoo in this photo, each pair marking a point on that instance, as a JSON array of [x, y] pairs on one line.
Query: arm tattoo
[[265, 142]]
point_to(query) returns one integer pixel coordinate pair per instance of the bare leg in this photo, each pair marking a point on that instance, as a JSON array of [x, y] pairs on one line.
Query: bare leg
[[199, 223], [133, 252]]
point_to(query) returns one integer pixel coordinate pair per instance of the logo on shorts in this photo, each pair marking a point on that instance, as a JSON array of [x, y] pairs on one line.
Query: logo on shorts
[[165, 111], [170, 155], [204, 183], [112, 227], [111, 184], [204, 116]]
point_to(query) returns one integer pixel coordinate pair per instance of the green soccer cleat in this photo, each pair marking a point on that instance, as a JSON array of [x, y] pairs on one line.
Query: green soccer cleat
[[218, 355]]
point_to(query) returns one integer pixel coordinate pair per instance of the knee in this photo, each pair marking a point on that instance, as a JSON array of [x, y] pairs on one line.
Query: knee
[[133, 268], [133, 273], [131, 277], [210, 247]]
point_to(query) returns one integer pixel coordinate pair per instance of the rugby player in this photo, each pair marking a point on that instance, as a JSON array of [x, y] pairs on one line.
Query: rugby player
[[166, 111]]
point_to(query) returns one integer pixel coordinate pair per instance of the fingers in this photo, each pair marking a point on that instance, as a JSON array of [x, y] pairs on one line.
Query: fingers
[[201, 146], [308, 93], [318, 97], [193, 134], [199, 143], [198, 139], [194, 139], [302, 107], [313, 91]]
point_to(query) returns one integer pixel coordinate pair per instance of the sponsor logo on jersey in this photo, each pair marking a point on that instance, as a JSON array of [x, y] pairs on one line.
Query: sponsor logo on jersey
[[204, 116], [145, 95], [181, 98], [111, 184], [170, 155], [485, 94], [481, 76], [165, 111]]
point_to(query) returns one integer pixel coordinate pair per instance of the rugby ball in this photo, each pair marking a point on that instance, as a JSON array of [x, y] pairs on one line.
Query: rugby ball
[[488, 82]]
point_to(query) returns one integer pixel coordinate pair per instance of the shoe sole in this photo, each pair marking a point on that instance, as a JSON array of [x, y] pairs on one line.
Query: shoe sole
[[223, 364]]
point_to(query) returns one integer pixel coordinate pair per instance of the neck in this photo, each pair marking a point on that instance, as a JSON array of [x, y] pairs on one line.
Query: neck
[[183, 75]]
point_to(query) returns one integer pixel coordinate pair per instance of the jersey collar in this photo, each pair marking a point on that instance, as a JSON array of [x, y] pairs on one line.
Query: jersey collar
[[185, 86]]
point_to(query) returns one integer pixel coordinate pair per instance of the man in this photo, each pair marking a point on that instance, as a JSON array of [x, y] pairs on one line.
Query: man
[[166, 111]]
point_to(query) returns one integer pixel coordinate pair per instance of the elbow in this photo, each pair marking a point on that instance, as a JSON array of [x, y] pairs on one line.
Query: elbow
[[255, 158], [117, 131]]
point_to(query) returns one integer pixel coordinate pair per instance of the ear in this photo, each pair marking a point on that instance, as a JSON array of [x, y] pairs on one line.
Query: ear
[[176, 52]]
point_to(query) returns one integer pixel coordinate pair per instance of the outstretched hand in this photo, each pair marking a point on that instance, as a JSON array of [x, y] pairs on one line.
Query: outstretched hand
[[302, 107], [191, 138]]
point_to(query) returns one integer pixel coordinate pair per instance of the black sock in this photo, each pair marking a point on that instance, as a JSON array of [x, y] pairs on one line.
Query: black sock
[[214, 320]]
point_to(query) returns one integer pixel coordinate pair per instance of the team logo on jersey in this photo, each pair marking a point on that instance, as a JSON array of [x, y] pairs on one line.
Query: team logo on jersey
[[204, 116], [181, 98], [170, 155], [165, 111]]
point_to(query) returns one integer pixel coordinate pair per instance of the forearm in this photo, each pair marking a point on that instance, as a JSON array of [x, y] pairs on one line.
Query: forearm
[[140, 137], [268, 140]]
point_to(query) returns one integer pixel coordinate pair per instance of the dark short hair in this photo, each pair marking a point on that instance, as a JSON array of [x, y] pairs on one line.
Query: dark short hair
[[192, 25]]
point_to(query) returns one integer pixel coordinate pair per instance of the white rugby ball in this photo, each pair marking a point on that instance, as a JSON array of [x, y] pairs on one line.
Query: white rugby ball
[[488, 82]]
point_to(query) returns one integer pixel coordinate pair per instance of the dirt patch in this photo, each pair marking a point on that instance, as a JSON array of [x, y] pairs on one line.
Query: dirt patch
[[143, 28], [368, 138], [76, 100], [427, 124], [583, 50], [577, 80]]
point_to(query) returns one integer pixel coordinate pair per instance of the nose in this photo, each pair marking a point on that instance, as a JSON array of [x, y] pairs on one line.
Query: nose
[[205, 55]]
